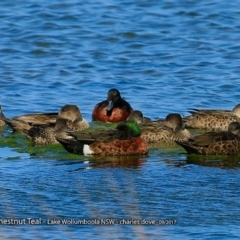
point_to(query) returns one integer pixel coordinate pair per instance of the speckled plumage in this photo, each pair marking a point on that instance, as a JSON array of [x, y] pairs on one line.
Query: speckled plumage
[[170, 130], [115, 109], [213, 143], [124, 140], [70, 118], [212, 120]]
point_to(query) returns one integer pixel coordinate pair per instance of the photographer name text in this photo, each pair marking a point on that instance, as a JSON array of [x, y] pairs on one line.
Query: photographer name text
[[106, 221]]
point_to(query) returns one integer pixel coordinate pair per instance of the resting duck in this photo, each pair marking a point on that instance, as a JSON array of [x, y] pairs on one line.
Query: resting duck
[[137, 116], [26, 121], [70, 118], [215, 143], [212, 120], [169, 130], [124, 140]]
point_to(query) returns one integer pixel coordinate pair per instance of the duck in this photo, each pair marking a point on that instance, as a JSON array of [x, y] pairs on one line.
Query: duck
[[215, 143], [234, 127], [113, 110], [46, 135], [2, 123], [212, 120], [70, 119], [124, 140], [26, 121], [170, 130], [137, 115]]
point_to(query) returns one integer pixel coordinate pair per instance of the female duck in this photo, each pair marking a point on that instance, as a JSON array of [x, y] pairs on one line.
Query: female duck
[[70, 118], [169, 130], [215, 143], [212, 120], [26, 121]]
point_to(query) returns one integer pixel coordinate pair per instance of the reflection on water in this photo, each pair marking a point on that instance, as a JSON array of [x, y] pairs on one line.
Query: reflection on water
[[163, 56], [222, 161], [92, 162], [118, 161], [226, 162]]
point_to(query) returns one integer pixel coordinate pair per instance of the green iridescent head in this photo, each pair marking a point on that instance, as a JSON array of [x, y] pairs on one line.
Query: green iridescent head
[[131, 127]]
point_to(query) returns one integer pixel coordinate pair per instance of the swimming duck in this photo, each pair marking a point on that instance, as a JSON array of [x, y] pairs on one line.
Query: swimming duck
[[212, 120], [124, 140], [169, 130], [70, 118], [115, 109], [215, 143]]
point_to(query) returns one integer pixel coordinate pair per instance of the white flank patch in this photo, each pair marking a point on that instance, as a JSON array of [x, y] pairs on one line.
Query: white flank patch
[[87, 150]]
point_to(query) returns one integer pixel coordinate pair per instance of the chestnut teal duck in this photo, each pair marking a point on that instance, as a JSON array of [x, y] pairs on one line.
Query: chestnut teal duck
[[26, 121], [212, 120], [113, 110], [125, 139], [70, 118], [137, 116], [215, 143], [170, 130]]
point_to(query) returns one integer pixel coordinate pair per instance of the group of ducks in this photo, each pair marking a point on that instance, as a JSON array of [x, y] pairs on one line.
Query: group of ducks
[[132, 132]]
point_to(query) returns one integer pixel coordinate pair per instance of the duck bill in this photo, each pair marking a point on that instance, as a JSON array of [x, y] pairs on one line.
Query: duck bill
[[110, 106]]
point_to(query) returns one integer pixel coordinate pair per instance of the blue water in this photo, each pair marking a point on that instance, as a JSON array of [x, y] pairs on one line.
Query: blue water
[[163, 56]]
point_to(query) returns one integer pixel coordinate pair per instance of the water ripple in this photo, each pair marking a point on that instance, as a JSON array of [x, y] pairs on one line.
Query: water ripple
[[164, 56]]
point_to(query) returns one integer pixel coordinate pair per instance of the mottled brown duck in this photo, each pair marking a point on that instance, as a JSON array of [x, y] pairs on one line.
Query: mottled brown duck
[[215, 143], [170, 130], [212, 120], [70, 118]]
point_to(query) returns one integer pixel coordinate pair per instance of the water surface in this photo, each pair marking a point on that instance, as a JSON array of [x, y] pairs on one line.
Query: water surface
[[163, 56]]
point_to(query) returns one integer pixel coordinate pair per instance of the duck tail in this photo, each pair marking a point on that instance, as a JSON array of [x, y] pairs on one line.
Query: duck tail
[[71, 145], [187, 147]]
